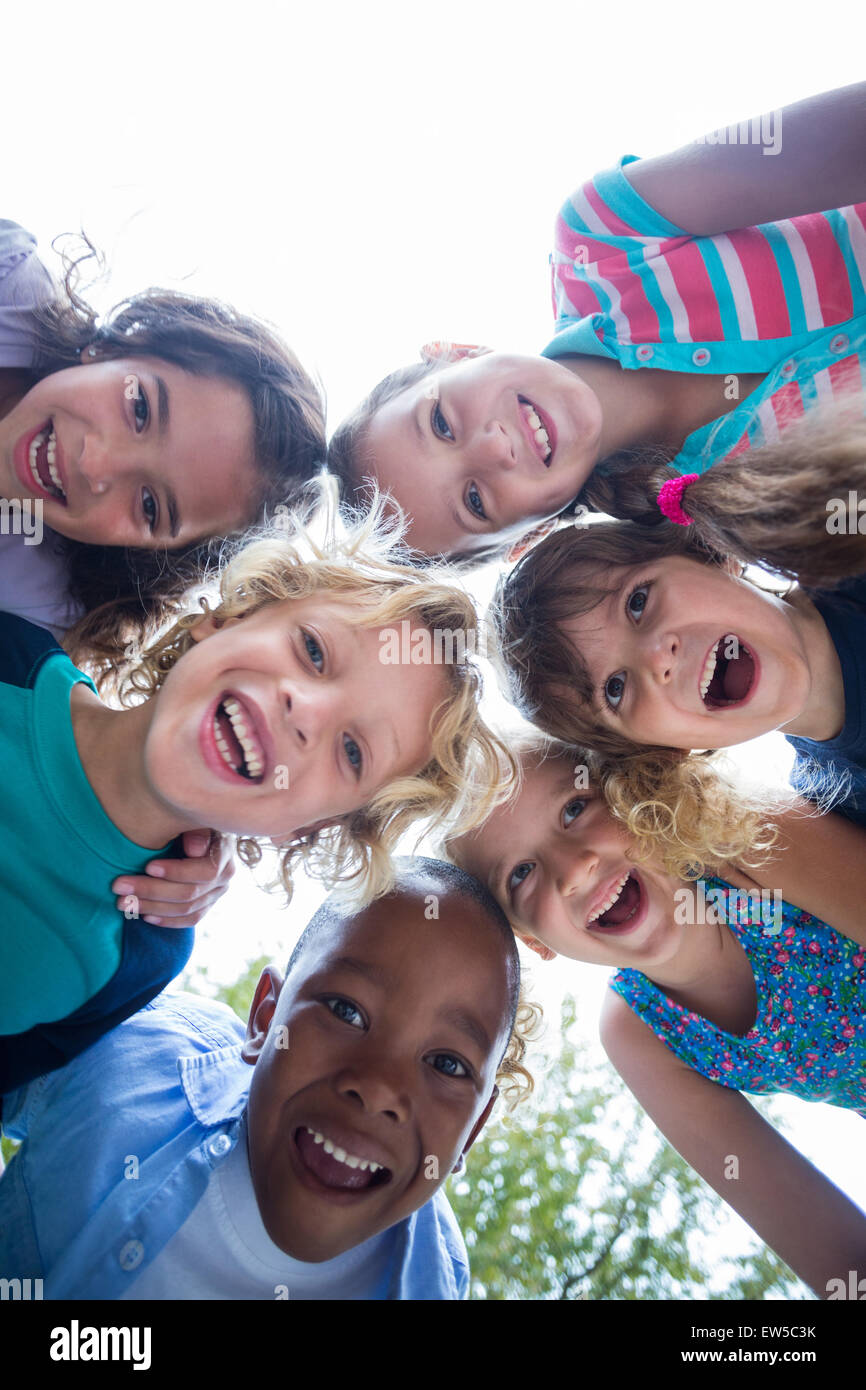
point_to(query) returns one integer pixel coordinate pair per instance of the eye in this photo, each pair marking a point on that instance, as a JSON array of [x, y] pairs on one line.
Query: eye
[[439, 424], [637, 601], [614, 689], [345, 1010], [150, 507], [140, 410], [518, 875], [314, 651], [450, 1065], [354, 755], [474, 503], [572, 810]]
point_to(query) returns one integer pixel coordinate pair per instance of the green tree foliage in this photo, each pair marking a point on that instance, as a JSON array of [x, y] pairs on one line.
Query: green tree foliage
[[577, 1197]]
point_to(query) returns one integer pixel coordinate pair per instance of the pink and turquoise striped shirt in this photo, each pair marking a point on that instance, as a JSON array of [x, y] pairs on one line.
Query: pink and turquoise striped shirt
[[787, 299]]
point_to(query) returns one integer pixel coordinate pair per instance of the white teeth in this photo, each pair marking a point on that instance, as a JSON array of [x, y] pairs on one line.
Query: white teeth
[[533, 419], [255, 765], [351, 1160], [708, 671], [605, 907], [48, 438]]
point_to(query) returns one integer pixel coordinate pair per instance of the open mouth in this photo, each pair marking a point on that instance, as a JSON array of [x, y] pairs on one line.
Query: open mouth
[[728, 674], [622, 905], [237, 741], [335, 1167], [538, 430], [42, 462]]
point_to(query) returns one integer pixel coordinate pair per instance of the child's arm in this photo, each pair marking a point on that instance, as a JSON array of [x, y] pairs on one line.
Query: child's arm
[[814, 160], [821, 868], [791, 1206]]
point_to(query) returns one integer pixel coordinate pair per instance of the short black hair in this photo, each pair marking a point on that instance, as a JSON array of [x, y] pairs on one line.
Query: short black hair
[[334, 910]]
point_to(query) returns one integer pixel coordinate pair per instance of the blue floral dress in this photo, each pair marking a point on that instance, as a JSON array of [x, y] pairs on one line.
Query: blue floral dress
[[809, 1035]]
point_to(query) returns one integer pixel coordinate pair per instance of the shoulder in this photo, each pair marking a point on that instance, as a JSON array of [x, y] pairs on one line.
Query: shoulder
[[25, 283]]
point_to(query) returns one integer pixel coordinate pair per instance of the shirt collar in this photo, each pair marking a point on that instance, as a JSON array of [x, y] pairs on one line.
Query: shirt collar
[[216, 1084]]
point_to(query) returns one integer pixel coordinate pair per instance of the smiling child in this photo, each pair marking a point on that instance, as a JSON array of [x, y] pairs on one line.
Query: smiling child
[[722, 986], [259, 722], [313, 1171]]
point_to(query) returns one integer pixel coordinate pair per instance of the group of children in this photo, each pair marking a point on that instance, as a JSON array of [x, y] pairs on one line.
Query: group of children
[[703, 390]]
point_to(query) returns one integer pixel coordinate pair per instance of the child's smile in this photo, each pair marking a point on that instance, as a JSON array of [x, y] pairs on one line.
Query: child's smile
[[684, 655], [278, 723], [556, 862], [508, 439]]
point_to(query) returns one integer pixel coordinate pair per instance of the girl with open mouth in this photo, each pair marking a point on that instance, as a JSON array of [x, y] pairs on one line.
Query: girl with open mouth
[[683, 322], [721, 986], [649, 631]]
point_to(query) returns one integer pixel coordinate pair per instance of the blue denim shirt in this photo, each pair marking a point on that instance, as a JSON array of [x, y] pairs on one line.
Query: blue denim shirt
[[167, 1087]]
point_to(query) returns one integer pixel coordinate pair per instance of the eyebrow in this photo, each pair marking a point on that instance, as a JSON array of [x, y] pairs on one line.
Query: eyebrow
[[173, 513], [162, 404], [468, 1024], [375, 973]]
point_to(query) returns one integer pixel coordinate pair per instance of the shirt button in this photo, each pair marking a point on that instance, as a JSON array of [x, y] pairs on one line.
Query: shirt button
[[789, 369], [644, 352], [700, 357], [839, 343], [131, 1255], [219, 1145]]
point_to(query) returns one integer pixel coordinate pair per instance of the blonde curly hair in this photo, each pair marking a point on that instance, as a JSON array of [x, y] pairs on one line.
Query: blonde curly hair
[[690, 815], [320, 548], [514, 1079]]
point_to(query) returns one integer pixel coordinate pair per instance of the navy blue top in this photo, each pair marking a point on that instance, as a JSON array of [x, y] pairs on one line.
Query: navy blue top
[[837, 766], [150, 956]]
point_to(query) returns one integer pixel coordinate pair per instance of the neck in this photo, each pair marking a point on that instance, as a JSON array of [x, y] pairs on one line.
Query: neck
[[823, 715], [110, 745]]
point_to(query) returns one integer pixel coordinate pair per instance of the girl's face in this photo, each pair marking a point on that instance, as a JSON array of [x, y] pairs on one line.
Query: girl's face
[[556, 862], [685, 655], [133, 452], [286, 719], [484, 448]]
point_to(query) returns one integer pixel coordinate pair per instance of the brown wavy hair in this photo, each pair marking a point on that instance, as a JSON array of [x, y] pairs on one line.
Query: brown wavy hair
[[768, 507], [125, 591]]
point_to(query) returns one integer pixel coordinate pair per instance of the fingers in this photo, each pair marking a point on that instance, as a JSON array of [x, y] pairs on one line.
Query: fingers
[[162, 913]]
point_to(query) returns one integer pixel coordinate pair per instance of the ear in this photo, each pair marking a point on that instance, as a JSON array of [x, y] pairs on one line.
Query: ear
[[733, 567], [261, 1013], [441, 350], [530, 539], [537, 946], [207, 625], [477, 1128]]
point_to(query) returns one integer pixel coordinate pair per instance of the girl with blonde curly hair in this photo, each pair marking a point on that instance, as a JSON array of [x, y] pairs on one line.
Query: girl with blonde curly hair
[[721, 984], [267, 717]]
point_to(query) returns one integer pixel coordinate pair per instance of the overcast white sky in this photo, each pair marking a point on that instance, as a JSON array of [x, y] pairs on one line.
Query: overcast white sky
[[370, 176]]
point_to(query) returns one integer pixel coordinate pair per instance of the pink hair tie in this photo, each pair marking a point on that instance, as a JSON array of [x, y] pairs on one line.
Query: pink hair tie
[[671, 496]]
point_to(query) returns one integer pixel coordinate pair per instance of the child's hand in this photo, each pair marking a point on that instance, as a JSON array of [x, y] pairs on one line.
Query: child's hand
[[178, 892]]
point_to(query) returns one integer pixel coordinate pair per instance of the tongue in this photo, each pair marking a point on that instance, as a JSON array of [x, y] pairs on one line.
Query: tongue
[[328, 1169], [622, 908], [231, 738], [738, 676]]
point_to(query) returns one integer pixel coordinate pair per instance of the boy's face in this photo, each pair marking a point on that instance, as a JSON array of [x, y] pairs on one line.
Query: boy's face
[[383, 1046], [484, 448], [287, 719], [557, 863]]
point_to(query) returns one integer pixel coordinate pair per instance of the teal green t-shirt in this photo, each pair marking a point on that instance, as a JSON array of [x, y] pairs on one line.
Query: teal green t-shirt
[[60, 931]]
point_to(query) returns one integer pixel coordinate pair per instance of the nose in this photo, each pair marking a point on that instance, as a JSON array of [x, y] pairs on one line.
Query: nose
[[492, 446], [662, 655], [377, 1086], [98, 465], [307, 713], [573, 869]]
